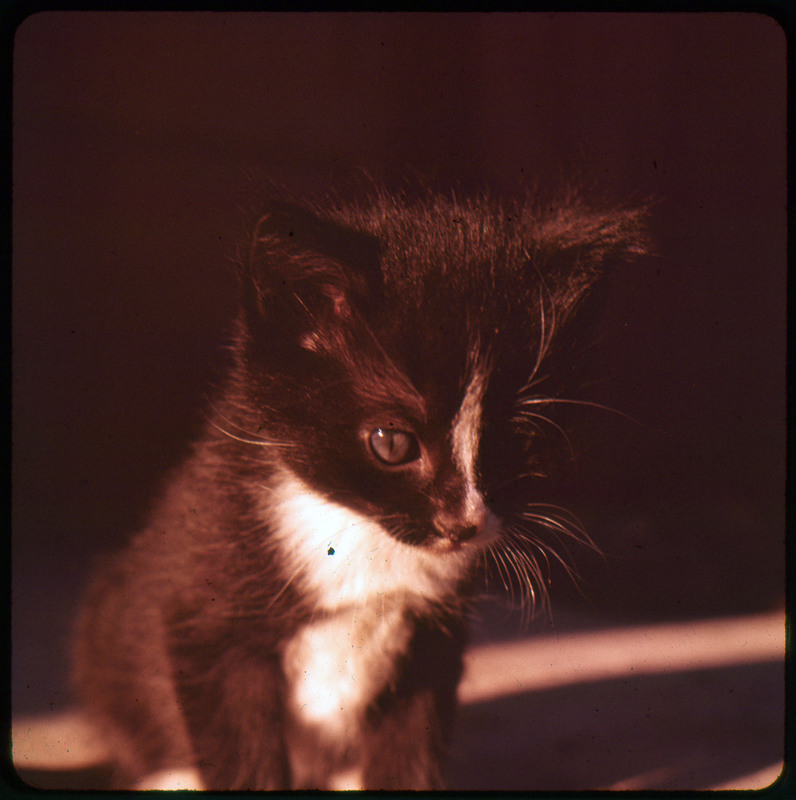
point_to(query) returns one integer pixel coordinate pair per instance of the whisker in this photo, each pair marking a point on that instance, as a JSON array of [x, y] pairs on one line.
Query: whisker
[[529, 578], [535, 569], [518, 477], [523, 559], [527, 416], [287, 583], [557, 525], [545, 550], [502, 569], [259, 442], [520, 574], [545, 335], [482, 564], [248, 437], [559, 520], [526, 568], [531, 401]]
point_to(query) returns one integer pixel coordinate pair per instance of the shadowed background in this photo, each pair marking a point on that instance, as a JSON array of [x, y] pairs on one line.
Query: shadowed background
[[136, 137]]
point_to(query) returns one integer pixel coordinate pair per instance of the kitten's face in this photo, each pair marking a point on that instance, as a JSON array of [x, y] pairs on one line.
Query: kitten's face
[[399, 353], [405, 454]]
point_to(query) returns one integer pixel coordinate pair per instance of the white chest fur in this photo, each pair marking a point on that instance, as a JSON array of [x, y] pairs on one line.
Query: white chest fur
[[362, 581], [346, 559], [336, 666]]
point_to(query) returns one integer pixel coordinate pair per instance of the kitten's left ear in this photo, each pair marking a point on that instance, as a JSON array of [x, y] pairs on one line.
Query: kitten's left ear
[[577, 247], [579, 253]]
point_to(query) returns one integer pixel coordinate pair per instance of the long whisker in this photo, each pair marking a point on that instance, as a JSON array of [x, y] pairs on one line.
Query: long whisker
[[523, 558], [530, 571], [519, 573], [529, 416], [544, 549], [561, 521], [287, 583], [531, 401], [256, 438], [501, 568], [260, 442], [545, 333]]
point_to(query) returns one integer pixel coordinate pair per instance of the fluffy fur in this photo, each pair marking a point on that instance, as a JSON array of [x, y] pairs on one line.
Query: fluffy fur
[[295, 613]]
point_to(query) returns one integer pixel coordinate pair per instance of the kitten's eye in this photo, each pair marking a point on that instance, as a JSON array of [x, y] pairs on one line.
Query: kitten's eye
[[394, 447]]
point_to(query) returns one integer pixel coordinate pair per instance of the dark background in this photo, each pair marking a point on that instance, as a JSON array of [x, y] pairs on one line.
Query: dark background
[[135, 140]]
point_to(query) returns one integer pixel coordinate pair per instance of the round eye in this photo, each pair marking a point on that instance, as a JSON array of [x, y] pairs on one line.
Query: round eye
[[394, 447]]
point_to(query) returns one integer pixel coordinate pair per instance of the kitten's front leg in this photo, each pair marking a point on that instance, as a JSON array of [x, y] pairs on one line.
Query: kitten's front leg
[[406, 737], [406, 748], [232, 702]]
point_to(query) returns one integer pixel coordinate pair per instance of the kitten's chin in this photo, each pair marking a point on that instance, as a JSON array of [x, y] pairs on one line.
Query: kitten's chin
[[449, 547]]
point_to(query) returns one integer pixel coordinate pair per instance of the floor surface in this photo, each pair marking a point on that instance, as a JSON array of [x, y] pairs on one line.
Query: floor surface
[[687, 705]]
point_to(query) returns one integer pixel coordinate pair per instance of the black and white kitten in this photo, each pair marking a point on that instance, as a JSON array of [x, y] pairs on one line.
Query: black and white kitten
[[294, 615]]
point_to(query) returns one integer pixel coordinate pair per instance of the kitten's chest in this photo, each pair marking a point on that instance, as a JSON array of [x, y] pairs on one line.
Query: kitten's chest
[[336, 665], [335, 668]]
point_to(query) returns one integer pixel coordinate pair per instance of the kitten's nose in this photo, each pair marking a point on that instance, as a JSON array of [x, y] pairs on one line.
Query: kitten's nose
[[465, 522]]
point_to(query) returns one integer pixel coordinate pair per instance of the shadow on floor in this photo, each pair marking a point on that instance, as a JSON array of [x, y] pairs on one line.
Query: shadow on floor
[[688, 730]]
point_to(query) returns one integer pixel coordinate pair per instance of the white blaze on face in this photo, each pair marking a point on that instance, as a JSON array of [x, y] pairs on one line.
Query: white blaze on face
[[466, 429], [466, 440]]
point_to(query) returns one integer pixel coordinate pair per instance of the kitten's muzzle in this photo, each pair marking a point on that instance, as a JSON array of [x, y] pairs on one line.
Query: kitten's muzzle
[[458, 529]]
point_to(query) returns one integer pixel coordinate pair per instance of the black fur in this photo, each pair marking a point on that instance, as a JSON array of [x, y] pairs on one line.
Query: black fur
[[352, 318]]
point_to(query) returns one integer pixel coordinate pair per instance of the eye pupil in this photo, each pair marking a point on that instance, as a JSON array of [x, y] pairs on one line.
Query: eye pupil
[[394, 447]]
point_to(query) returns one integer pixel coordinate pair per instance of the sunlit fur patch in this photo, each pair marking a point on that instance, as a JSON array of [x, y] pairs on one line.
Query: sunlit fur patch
[[336, 665]]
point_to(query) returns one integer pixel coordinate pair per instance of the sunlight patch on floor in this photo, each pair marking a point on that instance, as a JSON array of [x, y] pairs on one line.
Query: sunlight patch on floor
[[542, 662]]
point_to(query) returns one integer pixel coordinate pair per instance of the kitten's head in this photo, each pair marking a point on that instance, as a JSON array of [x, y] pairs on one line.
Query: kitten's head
[[400, 354]]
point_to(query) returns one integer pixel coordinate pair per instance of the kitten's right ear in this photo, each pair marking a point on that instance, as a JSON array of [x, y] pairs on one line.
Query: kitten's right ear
[[304, 269]]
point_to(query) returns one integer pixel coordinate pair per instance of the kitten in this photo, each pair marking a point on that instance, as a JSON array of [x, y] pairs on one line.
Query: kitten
[[294, 616]]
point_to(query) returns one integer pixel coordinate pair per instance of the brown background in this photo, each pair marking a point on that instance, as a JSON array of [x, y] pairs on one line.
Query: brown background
[[135, 136]]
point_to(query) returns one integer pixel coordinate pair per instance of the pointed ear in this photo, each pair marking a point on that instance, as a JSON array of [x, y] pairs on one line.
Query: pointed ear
[[579, 254], [303, 268], [575, 248]]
